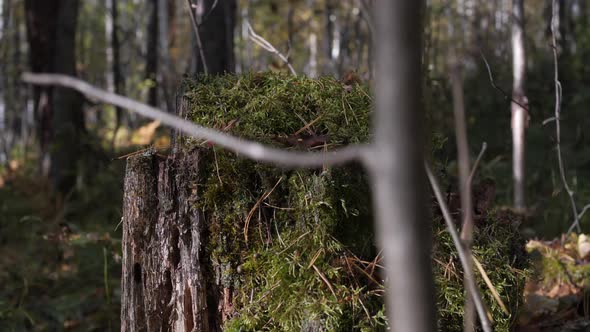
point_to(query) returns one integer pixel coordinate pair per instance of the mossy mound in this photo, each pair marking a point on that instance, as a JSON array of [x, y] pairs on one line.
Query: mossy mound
[[295, 248], [499, 248], [273, 108]]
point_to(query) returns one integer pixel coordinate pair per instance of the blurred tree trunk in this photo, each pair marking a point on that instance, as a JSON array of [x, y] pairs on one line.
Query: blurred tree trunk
[[245, 63], [217, 20], [397, 175], [330, 18], [151, 66], [165, 72], [116, 80], [51, 31], [6, 105], [519, 105], [41, 33]]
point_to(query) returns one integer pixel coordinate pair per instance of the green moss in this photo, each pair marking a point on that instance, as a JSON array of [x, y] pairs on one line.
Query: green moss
[[304, 256], [272, 107], [499, 248]]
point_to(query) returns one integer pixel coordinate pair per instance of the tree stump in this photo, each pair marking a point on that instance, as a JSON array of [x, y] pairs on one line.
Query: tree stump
[[163, 287]]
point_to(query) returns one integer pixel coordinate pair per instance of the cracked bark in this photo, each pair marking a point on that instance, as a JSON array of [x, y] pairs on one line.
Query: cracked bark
[[164, 286]]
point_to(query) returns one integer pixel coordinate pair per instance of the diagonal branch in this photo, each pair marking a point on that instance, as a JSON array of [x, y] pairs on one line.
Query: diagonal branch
[[197, 35], [249, 149], [493, 83], [268, 46], [484, 147], [465, 262]]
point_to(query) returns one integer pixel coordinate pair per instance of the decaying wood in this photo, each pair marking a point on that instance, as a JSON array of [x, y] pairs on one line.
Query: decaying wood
[[164, 285]]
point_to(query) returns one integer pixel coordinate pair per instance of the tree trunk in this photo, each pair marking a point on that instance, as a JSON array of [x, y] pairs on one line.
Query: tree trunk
[[519, 105], [41, 22], [118, 81], [163, 286], [151, 66], [402, 225], [328, 40], [165, 72], [216, 28], [51, 31], [7, 107]]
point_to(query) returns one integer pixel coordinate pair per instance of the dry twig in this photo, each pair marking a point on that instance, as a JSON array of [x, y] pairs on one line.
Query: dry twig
[[268, 46], [468, 273], [197, 35], [490, 285], [255, 207], [493, 83], [249, 149], [484, 147]]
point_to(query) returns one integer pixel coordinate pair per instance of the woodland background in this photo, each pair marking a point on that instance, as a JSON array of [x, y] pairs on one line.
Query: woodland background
[[60, 172]]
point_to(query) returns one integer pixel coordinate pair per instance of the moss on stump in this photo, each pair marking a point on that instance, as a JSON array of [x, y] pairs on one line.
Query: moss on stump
[[294, 249]]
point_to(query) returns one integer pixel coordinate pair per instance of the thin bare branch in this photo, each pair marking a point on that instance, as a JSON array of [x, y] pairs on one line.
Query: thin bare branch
[[197, 35], [484, 146], [268, 46], [490, 285], [569, 191], [206, 16], [368, 17], [249, 149], [468, 273], [493, 83], [581, 214], [548, 120], [462, 154]]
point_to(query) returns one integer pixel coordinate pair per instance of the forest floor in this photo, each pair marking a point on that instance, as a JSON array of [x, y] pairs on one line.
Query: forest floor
[[60, 263], [557, 296]]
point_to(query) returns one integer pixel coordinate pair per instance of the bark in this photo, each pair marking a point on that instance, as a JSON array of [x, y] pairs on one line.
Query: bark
[[164, 286], [519, 105]]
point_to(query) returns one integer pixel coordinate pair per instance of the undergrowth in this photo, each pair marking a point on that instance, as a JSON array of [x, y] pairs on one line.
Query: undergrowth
[[60, 267]]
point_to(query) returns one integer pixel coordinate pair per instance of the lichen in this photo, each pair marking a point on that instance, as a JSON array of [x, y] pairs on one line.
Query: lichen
[[297, 246]]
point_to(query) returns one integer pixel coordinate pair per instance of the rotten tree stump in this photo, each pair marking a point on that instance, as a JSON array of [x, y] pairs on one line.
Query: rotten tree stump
[[163, 285]]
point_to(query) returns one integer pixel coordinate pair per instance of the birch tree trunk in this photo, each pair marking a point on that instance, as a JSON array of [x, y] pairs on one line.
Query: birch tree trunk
[[519, 105]]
